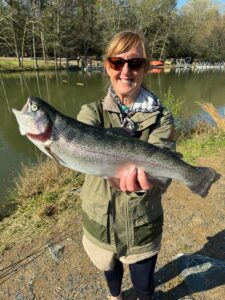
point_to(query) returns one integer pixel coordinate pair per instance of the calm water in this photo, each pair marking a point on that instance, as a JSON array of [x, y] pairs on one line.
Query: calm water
[[68, 91]]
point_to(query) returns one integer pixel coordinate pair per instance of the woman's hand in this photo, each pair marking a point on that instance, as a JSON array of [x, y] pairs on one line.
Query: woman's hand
[[131, 179]]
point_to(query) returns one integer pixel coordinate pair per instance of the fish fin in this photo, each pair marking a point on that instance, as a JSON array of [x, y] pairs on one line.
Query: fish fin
[[208, 177], [121, 130], [53, 155]]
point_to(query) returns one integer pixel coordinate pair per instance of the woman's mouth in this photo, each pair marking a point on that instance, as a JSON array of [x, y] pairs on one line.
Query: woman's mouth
[[127, 81]]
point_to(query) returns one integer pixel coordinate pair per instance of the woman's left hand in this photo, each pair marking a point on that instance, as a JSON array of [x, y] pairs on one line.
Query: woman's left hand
[[132, 179]]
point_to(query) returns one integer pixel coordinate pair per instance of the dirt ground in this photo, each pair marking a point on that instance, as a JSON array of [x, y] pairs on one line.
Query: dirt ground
[[56, 268]]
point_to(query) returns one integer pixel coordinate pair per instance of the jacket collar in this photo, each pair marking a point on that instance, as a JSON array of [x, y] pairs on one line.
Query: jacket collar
[[109, 104]]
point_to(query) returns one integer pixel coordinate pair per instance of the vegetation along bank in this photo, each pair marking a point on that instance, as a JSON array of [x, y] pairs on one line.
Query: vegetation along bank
[[41, 253], [48, 193]]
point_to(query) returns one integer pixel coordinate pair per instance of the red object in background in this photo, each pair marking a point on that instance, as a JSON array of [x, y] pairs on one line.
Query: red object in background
[[155, 71], [156, 63]]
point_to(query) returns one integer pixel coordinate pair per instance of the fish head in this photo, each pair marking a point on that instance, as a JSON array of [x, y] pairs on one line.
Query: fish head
[[34, 119]]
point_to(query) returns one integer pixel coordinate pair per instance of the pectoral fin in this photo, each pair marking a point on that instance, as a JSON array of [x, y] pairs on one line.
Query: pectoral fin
[[54, 156], [121, 130]]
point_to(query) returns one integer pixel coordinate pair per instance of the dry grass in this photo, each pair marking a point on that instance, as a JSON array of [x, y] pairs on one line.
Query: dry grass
[[46, 210], [211, 110], [46, 177], [47, 195], [192, 130]]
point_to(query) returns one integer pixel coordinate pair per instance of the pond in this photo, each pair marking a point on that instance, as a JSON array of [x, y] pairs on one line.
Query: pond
[[67, 91]]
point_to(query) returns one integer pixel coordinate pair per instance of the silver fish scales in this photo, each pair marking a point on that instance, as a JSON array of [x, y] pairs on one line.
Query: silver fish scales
[[103, 152]]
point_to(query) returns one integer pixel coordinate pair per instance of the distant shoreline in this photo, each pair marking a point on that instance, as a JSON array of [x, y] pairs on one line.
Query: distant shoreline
[[10, 65]]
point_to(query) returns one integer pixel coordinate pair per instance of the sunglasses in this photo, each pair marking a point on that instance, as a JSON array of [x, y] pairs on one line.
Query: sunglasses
[[134, 64]]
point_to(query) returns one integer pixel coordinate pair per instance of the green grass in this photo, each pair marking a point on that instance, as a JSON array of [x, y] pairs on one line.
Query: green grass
[[11, 64], [174, 105], [201, 145]]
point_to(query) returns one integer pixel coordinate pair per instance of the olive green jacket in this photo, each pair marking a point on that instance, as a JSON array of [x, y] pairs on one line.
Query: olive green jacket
[[124, 222]]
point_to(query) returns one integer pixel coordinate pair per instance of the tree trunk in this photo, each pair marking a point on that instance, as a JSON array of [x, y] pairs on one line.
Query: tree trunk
[[55, 57], [15, 45], [34, 47], [163, 47], [23, 41], [43, 46], [153, 44], [165, 39]]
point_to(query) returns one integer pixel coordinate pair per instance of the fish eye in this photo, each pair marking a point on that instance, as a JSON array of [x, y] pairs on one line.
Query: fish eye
[[34, 107]]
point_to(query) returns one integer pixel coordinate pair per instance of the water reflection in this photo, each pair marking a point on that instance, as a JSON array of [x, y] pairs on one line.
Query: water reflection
[[60, 89], [4, 91], [67, 91], [221, 111], [187, 68]]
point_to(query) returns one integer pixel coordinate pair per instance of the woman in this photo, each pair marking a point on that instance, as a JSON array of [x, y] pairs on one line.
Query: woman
[[123, 218]]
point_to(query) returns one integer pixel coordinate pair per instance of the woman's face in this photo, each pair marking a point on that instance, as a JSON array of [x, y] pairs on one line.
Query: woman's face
[[127, 82]]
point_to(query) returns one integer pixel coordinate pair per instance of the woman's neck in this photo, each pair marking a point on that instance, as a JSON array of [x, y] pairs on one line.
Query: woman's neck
[[127, 101]]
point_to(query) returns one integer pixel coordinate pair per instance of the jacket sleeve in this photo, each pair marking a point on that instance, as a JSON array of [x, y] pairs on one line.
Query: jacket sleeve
[[88, 115], [163, 133]]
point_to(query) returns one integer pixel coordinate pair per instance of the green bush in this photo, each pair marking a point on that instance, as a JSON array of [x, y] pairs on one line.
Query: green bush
[[175, 106]]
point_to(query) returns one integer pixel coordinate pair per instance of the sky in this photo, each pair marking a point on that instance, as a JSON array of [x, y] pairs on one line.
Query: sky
[[180, 3]]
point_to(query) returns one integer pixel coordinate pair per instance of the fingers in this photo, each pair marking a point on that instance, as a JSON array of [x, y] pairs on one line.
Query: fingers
[[131, 180], [143, 180], [128, 180]]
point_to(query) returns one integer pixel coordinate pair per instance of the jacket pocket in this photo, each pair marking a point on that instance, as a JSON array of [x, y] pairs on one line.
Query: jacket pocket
[[146, 232], [96, 218], [146, 218], [95, 199], [96, 209]]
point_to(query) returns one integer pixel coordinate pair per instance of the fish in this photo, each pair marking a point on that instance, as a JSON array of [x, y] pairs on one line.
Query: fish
[[103, 152]]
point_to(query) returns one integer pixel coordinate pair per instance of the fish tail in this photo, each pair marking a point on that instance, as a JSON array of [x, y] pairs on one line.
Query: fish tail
[[208, 176]]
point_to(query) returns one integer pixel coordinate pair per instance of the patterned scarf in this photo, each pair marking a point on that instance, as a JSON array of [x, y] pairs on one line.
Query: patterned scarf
[[146, 102]]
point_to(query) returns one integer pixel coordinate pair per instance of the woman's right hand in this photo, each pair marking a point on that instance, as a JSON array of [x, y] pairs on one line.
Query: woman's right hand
[[131, 179]]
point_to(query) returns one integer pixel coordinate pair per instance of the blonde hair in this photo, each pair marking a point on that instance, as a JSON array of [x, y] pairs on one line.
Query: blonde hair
[[124, 41]]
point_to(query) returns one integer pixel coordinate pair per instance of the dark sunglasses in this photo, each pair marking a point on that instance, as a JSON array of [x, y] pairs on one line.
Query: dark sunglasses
[[134, 64]]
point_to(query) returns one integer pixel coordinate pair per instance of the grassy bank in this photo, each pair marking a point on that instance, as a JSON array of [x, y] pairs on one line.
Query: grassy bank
[[47, 194], [8, 64], [201, 144]]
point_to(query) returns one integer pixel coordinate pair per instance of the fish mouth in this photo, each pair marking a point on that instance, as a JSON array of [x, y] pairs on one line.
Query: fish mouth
[[34, 125], [23, 110], [26, 106], [21, 117]]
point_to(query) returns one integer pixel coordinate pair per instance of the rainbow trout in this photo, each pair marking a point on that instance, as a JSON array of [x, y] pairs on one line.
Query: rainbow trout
[[103, 152]]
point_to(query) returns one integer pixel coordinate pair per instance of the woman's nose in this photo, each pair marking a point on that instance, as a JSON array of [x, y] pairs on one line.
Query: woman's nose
[[125, 68]]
